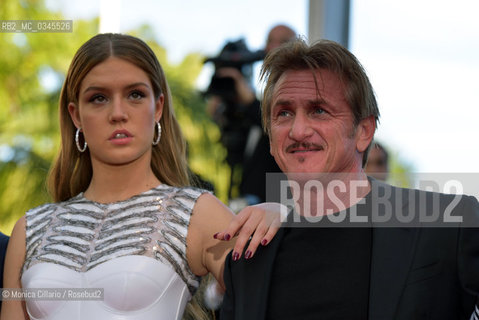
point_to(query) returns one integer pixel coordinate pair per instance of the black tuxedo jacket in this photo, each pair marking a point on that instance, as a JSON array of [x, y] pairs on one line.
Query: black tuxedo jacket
[[416, 273]]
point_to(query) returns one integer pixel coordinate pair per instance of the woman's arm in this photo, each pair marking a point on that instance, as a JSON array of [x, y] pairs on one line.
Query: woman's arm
[[204, 253], [207, 253], [14, 309]]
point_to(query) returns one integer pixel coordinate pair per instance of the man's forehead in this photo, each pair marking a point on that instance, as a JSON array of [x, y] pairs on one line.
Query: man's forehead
[[316, 81]]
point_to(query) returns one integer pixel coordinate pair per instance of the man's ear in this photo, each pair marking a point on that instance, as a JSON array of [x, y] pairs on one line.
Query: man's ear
[[365, 133], [74, 114], [159, 107]]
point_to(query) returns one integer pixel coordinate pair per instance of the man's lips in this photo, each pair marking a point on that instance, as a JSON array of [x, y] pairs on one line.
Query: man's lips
[[303, 147], [120, 134]]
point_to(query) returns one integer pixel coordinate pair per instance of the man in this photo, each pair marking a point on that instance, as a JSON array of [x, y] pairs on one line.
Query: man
[[278, 35], [378, 162], [320, 113]]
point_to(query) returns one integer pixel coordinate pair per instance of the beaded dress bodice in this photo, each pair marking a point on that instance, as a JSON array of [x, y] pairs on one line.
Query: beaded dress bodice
[[134, 249]]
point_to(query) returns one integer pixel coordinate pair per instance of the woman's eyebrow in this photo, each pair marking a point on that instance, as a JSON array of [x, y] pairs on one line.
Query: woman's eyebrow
[[94, 88]]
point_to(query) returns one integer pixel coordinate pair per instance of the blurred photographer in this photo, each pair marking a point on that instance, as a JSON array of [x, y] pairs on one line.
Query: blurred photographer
[[232, 103]]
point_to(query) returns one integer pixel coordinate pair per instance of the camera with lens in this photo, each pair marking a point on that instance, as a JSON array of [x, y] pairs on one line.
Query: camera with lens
[[230, 115]]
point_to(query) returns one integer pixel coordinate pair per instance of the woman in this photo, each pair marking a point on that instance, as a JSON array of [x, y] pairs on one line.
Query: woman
[[123, 218]]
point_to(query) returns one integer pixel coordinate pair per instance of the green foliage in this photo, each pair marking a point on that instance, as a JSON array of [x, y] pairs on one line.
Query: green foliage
[[400, 172], [29, 133], [28, 110]]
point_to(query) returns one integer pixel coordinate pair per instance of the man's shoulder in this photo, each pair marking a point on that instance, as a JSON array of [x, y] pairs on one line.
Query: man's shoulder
[[383, 189], [419, 207]]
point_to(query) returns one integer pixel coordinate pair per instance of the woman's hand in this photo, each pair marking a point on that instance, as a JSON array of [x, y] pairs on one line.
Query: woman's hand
[[258, 223]]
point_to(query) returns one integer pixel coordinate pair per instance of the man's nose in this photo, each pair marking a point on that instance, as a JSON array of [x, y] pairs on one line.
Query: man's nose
[[301, 127]]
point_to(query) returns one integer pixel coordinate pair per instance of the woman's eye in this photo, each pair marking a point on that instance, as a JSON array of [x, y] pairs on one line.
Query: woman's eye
[[137, 95], [97, 98]]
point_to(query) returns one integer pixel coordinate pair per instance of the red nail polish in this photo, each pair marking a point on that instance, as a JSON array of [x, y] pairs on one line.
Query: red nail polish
[[227, 237], [264, 242], [235, 256], [248, 254], [216, 235]]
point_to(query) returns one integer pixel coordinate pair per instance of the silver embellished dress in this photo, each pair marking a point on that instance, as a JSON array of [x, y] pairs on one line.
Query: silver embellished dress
[[135, 250]]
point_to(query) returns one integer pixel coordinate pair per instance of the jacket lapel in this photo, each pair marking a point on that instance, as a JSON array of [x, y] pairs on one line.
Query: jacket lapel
[[255, 293], [391, 258]]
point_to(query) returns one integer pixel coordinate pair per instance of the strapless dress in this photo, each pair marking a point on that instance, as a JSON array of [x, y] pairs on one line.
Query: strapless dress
[[134, 250]]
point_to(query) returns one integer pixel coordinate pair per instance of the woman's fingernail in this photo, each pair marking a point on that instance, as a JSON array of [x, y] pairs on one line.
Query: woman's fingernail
[[227, 237], [235, 256], [248, 254], [216, 235], [264, 242]]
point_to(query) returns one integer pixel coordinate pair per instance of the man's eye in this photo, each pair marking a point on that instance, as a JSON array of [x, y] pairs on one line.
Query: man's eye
[[137, 95], [319, 111], [283, 113]]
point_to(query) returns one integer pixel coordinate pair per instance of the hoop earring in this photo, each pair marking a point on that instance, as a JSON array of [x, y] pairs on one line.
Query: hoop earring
[[77, 141], [158, 128]]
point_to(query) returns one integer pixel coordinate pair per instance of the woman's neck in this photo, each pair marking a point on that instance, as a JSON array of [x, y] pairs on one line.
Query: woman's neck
[[112, 183]]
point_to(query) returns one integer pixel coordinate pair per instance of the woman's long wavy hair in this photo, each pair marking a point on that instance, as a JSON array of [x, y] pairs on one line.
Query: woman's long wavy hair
[[72, 170]]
